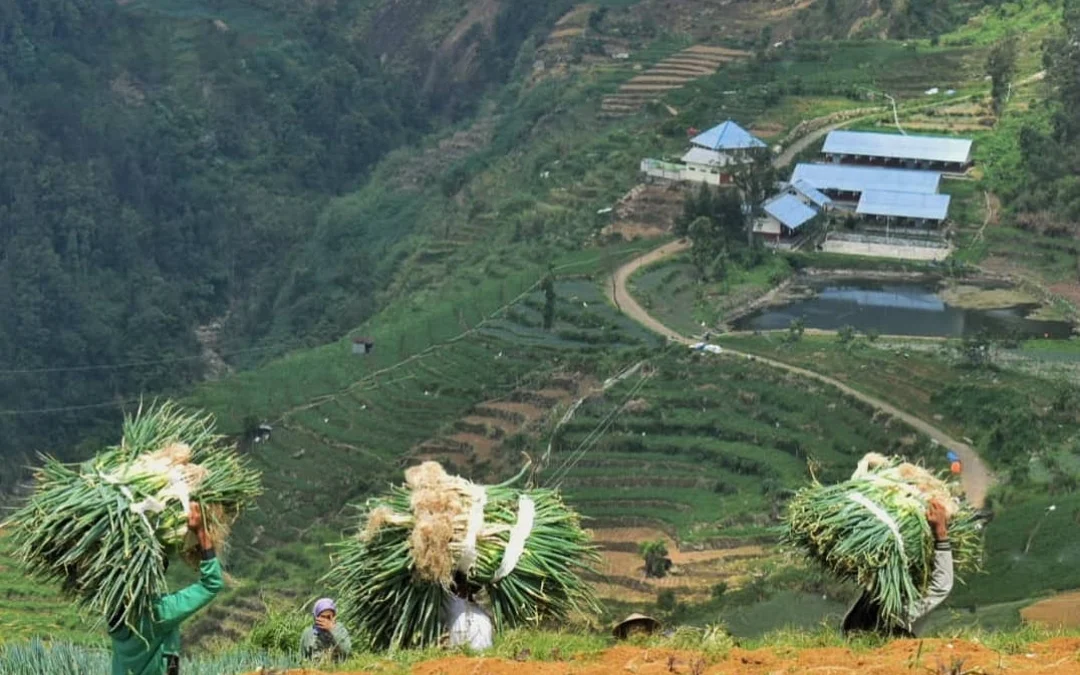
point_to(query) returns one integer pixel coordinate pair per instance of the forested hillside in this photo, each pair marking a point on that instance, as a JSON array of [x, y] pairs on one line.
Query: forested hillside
[[163, 166]]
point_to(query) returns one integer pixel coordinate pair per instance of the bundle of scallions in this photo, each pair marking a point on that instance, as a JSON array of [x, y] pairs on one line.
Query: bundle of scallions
[[104, 528], [872, 529], [524, 549]]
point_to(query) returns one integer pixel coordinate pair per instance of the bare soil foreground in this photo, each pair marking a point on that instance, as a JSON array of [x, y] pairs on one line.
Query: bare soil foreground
[[902, 657]]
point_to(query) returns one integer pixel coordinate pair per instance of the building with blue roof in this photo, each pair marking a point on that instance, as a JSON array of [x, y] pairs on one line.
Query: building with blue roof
[[900, 150], [713, 157], [809, 194], [847, 183], [784, 215], [919, 208], [727, 136]]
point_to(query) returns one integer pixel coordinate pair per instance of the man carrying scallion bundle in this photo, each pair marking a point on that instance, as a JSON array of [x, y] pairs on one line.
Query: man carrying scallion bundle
[[865, 615], [155, 648]]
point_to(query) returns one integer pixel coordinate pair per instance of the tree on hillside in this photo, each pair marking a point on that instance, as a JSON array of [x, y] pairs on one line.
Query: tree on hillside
[[715, 234], [756, 180], [549, 301], [1061, 59], [1001, 66]]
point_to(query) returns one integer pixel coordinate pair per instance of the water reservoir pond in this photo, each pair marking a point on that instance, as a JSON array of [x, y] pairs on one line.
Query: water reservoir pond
[[898, 307]]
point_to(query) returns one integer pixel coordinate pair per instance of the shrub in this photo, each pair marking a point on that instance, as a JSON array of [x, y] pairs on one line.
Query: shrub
[[279, 631]]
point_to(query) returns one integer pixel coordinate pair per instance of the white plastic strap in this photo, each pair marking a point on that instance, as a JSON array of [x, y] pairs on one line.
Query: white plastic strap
[[884, 517], [476, 523], [515, 547]]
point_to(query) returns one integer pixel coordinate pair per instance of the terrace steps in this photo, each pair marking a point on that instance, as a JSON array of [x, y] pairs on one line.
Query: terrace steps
[[668, 74]]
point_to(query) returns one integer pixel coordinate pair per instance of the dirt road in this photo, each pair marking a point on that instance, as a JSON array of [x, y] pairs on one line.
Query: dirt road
[[788, 155], [976, 477]]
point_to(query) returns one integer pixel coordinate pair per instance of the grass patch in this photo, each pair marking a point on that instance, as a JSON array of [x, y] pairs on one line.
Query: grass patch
[[1030, 551], [672, 292]]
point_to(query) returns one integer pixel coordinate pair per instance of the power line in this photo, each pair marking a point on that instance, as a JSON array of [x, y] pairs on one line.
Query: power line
[[137, 364], [590, 441], [68, 408]]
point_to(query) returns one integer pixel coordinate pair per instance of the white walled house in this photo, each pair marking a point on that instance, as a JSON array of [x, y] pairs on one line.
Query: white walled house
[[713, 157]]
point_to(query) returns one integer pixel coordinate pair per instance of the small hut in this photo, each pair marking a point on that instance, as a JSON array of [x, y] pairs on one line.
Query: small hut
[[363, 345]]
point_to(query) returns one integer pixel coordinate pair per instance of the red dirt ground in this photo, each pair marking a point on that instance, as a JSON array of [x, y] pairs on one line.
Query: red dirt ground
[[1060, 656]]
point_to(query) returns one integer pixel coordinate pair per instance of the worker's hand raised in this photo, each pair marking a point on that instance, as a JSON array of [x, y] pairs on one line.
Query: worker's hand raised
[[194, 519], [325, 623], [938, 518]]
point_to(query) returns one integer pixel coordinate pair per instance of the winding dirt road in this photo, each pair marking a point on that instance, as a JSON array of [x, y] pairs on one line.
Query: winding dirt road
[[976, 477]]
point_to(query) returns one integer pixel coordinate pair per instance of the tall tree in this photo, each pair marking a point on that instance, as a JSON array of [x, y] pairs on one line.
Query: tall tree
[[1061, 59], [1001, 66], [756, 180]]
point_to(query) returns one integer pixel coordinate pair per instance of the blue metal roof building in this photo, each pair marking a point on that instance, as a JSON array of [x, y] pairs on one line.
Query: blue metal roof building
[[807, 190], [727, 136], [859, 179], [903, 205], [789, 211], [898, 147]]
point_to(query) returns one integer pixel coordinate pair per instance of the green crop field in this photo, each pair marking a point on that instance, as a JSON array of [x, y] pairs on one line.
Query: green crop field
[[707, 446], [672, 291], [29, 608]]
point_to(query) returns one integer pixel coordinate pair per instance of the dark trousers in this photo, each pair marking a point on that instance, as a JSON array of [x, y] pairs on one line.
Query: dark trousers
[[865, 616], [172, 664]]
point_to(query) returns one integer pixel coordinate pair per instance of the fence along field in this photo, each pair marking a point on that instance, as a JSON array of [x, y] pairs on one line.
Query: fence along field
[[701, 454]]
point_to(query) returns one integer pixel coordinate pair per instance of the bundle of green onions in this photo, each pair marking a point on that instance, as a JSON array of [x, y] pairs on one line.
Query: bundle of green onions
[[872, 529], [104, 528], [524, 548]]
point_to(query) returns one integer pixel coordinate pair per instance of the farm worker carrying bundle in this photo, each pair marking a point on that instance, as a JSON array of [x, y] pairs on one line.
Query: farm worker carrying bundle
[[327, 640], [155, 648], [469, 625], [954, 462], [865, 615]]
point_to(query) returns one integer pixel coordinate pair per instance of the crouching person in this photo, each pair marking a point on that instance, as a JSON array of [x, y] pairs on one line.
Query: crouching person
[[865, 615], [326, 640]]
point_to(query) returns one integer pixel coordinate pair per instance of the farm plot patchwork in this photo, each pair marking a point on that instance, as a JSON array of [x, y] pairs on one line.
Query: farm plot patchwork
[[705, 450], [672, 72]]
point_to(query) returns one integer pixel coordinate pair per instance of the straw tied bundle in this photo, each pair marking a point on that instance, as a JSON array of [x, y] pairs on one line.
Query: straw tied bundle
[[872, 529], [525, 548], [105, 528]]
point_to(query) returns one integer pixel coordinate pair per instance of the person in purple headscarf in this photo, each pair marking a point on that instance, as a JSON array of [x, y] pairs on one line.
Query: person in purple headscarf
[[327, 640]]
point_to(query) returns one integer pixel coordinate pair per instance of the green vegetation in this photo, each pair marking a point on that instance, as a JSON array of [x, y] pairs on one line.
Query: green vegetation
[[1032, 549], [672, 290], [1018, 421], [732, 436], [31, 609]]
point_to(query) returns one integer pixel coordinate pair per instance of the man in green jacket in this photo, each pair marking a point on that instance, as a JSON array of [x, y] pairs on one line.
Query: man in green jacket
[[155, 649]]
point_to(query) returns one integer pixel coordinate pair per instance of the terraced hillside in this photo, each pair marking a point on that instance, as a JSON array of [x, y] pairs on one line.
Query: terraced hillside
[[41, 610], [701, 450], [673, 72], [483, 443]]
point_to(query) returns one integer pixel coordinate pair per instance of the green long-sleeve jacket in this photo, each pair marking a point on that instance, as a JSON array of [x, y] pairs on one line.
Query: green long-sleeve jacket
[[159, 635], [334, 645]]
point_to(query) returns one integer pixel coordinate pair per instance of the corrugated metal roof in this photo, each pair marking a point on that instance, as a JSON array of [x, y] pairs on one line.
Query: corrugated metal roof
[[903, 205], [727, 136], [863, 178], [810, 192], [789, 210], [706, 157], [871, 144]]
